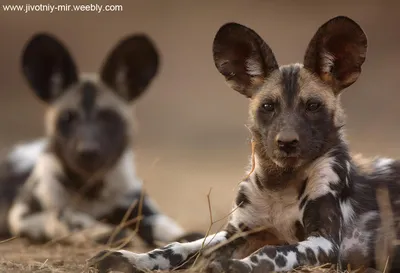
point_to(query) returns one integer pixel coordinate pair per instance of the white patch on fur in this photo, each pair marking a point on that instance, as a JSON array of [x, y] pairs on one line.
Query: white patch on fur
[[348, 169], [253, 67], [142, 261], [319, 242], [48, 190], [328, 61], [291, 261], [357, 244], [125, 173], [347, 211], [210, 240], [320, 176], [383, 163], [164, 228], [24, 156], [299, 65], [316, 244], [348, 166], [14, 217]]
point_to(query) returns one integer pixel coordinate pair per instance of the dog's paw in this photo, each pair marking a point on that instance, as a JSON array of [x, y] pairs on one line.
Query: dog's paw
[[106, 261]]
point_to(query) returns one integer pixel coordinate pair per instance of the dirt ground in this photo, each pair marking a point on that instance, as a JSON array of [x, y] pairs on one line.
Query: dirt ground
[[20, 257]]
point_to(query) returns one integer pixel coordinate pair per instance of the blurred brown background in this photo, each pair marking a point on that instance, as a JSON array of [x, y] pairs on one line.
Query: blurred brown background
[[192, 135]]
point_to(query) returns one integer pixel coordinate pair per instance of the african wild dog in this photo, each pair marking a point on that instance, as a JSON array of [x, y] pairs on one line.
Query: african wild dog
[[81, 176], [307, 201]]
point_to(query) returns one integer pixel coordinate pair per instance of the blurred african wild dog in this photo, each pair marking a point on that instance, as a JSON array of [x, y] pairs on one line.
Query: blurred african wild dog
[[307, 202], [81, 176]]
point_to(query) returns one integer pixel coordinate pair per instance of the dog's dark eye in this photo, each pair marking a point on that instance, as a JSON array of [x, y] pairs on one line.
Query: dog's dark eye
[[313, 106], [68, 117], [269, 106]]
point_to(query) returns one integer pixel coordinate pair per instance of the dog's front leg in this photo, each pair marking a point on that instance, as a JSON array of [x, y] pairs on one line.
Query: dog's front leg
[[322, 223]]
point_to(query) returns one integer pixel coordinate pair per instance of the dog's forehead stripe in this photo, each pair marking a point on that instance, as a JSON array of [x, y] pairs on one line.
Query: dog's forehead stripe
[[89, 93], [290, 87]]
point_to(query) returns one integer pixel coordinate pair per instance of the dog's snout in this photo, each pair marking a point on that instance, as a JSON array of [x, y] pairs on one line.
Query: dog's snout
[[88, 150], [287, 141]]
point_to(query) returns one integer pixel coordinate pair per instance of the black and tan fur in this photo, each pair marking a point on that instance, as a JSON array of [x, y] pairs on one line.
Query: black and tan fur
[[313, 202], [78, 182]]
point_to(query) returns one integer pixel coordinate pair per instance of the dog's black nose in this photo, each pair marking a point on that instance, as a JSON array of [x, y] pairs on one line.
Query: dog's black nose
[[287, 141]]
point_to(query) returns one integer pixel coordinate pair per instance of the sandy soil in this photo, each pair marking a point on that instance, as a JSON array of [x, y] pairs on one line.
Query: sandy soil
[[18, 256]]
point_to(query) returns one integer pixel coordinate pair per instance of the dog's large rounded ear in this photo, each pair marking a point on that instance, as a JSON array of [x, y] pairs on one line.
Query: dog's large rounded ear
[[48, 66], [337, 52], [243, 58], [131, 66]]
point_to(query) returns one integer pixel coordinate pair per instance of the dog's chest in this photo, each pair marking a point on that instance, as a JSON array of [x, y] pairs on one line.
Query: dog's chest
[[275, 210], [282, 214], [100, 205], [117, 191]]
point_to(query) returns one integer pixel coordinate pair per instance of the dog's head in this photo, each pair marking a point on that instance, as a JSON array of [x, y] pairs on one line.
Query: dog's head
[[88, 118], [295, 112]]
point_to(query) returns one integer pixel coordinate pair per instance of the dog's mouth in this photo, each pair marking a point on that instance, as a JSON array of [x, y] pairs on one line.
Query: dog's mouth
[[291, 160], [89, 167]]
